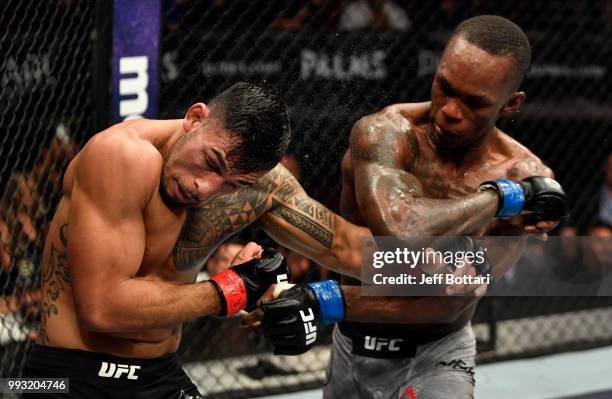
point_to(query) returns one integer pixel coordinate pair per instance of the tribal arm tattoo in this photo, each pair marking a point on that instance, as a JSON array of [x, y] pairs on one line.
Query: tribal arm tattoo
[[291, 204], [302, 224], [215, 221], [391, 199], [287, 213], [277, 193]]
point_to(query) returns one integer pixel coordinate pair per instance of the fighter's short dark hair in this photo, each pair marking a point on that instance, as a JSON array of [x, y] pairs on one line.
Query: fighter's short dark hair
[[259, 119], [498, 36]]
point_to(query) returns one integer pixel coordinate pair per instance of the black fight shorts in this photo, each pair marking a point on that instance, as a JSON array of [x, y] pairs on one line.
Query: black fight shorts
[[98, 375]]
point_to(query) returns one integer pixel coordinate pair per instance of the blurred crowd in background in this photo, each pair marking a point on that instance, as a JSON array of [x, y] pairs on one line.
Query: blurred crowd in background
[[347, 15], [28, 201]]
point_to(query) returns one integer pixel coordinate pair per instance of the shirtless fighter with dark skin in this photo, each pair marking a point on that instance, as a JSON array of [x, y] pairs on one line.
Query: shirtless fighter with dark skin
[[415, 170], [145, 204]]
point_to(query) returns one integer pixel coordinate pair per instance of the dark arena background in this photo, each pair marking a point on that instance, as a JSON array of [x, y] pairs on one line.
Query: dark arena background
[[70, 68]]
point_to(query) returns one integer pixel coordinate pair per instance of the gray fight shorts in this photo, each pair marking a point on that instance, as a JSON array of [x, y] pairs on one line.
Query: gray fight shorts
[[440, 369]]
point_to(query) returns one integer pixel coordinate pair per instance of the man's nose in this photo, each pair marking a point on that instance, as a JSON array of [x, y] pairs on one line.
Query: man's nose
[[205, 186], [452, 111]]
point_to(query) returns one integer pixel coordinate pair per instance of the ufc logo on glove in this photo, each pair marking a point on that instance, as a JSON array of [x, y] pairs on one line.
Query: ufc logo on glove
[[309, 328]]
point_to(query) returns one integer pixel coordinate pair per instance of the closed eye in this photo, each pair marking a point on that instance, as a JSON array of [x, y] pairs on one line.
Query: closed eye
[[476, 102], [234, 186], [446, 87], [211, 165]]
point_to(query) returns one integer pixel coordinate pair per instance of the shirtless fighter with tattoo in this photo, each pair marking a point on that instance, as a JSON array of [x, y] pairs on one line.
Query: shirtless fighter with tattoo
[[423, 170], [145, 203]]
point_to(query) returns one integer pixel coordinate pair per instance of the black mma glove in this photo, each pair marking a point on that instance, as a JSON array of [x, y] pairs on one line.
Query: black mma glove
[[240, 286], [541, 197], [292, 321]]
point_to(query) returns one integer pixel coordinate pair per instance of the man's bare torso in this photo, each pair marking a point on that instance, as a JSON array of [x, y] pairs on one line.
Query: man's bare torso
[[440, 177], [174, 251]]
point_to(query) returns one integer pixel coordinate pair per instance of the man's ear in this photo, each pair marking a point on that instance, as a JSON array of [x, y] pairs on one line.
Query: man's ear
[[517, 99], [196, 114]]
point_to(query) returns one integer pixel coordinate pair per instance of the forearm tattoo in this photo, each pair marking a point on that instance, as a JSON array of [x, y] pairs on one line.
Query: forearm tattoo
[[209, 225], [301, 211], [318, 224]]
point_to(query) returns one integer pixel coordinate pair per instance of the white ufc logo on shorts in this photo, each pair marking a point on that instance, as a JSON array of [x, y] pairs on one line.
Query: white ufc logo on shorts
[[309, 328], [109, 370], [377, 344]]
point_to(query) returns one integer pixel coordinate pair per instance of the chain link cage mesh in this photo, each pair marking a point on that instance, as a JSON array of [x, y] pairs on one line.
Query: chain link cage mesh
[[333, 61], [45, 95]]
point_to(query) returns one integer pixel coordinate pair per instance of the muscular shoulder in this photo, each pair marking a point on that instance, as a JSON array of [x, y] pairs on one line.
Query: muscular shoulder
[[393, 119], [387, 137], [523, 162], [116, 160]]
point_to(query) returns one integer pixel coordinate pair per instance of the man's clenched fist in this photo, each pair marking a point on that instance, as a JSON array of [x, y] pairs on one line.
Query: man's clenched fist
[[240, 286], [292, 320]]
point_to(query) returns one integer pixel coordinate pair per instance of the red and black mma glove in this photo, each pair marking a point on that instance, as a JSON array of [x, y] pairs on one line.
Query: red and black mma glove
[[292, 321], [240, 286], [541, 198]]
